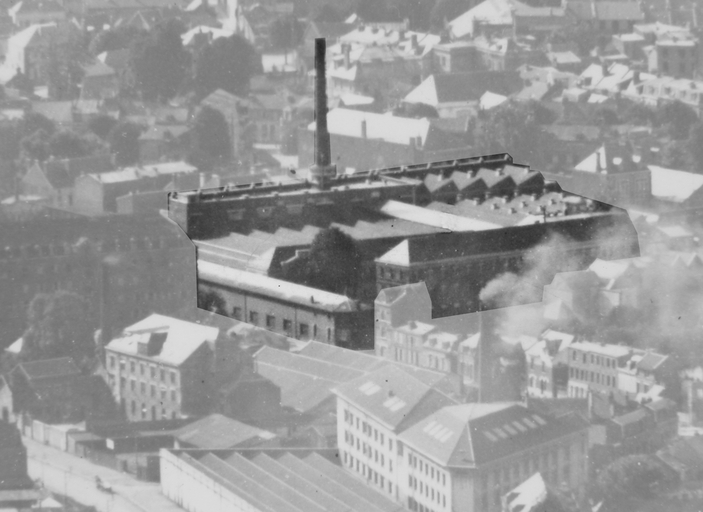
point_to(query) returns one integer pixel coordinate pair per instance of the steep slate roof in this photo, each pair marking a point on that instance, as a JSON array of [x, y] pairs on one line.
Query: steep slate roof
[[471, 435], [49, 368], [181, 341], [392, 397]]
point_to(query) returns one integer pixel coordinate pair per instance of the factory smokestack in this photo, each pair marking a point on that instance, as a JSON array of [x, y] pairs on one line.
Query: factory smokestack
[[322, 169]]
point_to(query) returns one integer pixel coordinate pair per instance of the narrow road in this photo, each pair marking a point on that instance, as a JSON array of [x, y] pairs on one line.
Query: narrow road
[[66, 474]]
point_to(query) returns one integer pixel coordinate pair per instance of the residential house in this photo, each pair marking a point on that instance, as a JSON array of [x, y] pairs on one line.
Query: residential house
[[678, 58], [32, 12], [685, 457], [98, 193], [52, 390], [55, 179], [25, 52], [159, 142], [162, 367], [457, 94], [503, 17], [610, 17], [548, 365], [655, 91], [365, 140], [411, 442], [612, 174], [267, 114], [100, 81]]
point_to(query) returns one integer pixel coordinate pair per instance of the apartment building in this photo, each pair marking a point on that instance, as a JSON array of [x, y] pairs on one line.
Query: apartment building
[[432, 455], [595, 366], [161, 368]]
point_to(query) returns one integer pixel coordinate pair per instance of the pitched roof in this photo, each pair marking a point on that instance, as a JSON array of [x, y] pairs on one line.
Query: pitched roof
[[288, 481], [219, 432], [398, 130], [49, 368], [179, 339], [471, 435], [462, 244], [393, 397], [672, 185], [464, 87]]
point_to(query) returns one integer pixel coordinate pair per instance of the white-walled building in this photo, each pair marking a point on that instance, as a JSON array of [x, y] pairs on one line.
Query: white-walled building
[[432, 454]]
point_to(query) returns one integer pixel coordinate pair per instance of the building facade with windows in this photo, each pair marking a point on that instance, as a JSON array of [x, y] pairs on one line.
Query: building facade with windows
[[162, 368], [431, 455]]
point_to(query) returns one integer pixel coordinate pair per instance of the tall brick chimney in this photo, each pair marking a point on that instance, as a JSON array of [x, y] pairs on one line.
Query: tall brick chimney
[[322, 169]]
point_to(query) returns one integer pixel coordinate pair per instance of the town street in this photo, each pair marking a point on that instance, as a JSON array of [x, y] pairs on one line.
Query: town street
[[72, 476]]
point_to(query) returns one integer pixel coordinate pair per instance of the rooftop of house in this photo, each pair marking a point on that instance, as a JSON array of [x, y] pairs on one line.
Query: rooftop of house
[[36, 371], [287, 480], [219, 432], [605, 10], [673, 185], [611, 159], [463, 87], [471, 435], [392, 397], [145, 172], [604, 349], [163, 339], [528, 495]]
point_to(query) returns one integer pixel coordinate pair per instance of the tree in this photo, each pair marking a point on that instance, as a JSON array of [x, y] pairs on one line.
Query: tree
[[286, 33], [512, 128], [124, 143], [59, 325], [674, 155], [605, 116], [227, 64], [694, 146], [34, 121], [637, 113], [212, 301], [159, 62], [678, 118], [211, 141], [118, 38], [633, 475], [334, 262], [67, 144], [101, 125], [36, 145]]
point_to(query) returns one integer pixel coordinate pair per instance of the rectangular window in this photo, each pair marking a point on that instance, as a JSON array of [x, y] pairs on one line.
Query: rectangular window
[[173, 377], [153, 372], [153, 390], [163, 375], [143, 388], [287, 325], [237, 313], [253, 317], [304, 330], [111, 362], [132, 366], [270, 321]]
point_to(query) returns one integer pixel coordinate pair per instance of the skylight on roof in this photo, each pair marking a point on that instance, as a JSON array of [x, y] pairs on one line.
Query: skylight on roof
[[500, 432], [539, 419], [430, 426], [510, 430], [490, 436], [529, 422], [394, 404], [445, 437], [370, 388], [519, 426]]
